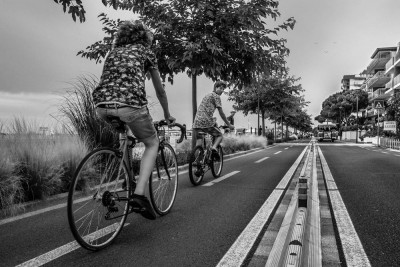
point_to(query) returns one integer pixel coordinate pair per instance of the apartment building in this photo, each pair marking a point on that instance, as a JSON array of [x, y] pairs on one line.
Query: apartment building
[[378, 77], [352, 82], [392, 70]]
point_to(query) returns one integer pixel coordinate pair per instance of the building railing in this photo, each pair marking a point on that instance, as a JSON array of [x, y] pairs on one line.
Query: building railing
[[378, 92], [378, 75], [396, 80]]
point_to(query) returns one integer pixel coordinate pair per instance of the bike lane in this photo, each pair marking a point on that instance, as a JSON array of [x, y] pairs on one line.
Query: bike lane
[[203, 224], [368, 182]]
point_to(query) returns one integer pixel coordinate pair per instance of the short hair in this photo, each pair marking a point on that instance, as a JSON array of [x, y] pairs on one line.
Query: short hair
[[219, 84], [133, 32]]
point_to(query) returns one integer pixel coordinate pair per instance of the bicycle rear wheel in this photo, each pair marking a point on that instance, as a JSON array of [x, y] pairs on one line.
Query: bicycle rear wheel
[[216, 166], [196, 168], [163, 183], [98, 199]]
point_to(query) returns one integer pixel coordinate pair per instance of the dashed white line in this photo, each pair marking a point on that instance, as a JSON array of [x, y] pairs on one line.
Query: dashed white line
[[258, 161], [277, 152], [286, 148], [221, 178]]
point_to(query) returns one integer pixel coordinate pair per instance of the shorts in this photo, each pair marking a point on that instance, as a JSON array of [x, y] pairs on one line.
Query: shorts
[[138, 120], [214, 131]]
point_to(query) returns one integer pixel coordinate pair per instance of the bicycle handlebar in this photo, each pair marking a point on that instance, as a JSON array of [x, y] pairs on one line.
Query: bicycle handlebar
[[175, 124]]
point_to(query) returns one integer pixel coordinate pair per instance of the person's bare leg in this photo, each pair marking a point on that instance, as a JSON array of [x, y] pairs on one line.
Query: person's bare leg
[[217, 141], [147, 163]]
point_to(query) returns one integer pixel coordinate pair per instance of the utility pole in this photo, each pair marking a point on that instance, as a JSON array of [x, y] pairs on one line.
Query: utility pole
[[357, 122]]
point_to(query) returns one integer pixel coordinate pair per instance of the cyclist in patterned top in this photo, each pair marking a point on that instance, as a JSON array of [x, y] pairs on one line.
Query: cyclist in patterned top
[[121, 92], [204, 117]]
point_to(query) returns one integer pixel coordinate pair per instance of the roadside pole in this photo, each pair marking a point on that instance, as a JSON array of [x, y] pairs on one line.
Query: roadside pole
[[378, 126]]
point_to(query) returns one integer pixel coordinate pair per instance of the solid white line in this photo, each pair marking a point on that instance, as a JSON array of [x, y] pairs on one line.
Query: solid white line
[[241, 247], [67, 248], [352, 248], [258, 161], [221, 178], [277, 152]]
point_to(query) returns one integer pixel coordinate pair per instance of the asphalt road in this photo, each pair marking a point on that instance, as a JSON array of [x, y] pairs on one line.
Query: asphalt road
[[204, 222], [368, 179]]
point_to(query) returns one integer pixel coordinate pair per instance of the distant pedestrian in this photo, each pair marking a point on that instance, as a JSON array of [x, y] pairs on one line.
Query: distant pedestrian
[[184, 133]]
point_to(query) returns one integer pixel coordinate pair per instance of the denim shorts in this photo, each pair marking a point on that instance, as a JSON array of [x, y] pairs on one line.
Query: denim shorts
[[138, 119], [214, 131]]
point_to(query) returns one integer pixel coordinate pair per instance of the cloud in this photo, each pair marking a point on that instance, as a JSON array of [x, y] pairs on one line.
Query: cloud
[[37, 106]]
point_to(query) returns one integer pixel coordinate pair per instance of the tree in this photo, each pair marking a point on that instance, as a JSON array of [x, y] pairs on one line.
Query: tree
[[271, 94], [339, 106], [226, 39]]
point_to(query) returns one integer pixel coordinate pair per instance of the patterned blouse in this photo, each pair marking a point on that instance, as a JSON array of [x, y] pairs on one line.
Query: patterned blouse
[[204, 115], [123, 77]]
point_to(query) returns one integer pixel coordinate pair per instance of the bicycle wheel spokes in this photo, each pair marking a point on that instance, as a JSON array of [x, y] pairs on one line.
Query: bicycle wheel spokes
[[164, 181], [97, 201], [196, 166], [216, 165]]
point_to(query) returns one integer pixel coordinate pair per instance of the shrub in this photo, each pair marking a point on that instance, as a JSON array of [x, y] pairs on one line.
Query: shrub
[[11, 191]]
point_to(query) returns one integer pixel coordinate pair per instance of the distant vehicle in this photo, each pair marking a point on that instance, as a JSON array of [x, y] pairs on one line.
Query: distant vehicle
[[327, 132]]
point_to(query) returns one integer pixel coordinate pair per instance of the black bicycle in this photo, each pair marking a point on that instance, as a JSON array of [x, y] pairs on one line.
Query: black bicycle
[[201, 160], [104, 181]]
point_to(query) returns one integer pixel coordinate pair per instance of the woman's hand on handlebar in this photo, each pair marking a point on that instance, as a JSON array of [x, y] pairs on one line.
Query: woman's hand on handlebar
[[170, 120]]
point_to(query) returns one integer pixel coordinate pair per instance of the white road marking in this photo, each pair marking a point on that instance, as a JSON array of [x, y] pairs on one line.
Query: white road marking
[[352, 248], [221, 178], [286, 148], [258, 161], [67, 248], [241, 247], [277, 152]]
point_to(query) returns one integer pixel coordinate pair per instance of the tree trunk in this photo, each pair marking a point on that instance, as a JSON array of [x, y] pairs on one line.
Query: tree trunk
[[194, 105], [275, 131], [263, 123]]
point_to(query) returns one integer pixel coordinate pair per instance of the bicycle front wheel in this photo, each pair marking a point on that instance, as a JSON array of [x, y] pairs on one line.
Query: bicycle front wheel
[[163, 183], [98, 198], [196, 167], [216, 165]]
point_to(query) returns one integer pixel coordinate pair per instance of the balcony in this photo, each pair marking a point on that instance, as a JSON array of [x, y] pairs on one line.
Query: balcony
[[378, 80], [378, 94], [393, 84], [393, 62]]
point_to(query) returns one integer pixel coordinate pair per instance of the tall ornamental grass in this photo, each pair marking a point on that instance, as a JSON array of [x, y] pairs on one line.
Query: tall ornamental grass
[[77, 106], [34, 166]]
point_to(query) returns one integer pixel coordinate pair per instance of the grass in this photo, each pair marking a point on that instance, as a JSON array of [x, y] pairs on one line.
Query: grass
[[35, 166]]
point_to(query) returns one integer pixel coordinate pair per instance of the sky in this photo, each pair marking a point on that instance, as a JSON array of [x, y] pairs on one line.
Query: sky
[[39, 44]]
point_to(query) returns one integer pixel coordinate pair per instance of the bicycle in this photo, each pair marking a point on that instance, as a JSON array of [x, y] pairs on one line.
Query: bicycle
[[98, 198], [201, 160]]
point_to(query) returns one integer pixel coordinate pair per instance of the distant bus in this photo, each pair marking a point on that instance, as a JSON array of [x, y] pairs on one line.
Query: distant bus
[[327, 132]]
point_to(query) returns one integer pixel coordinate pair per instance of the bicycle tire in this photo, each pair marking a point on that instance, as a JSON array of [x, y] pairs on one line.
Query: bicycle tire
[[196, 168], [216, 166], [96, 192], [163, 183]]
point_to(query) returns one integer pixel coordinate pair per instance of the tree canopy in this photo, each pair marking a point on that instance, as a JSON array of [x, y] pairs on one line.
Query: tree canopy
[[339, 106], [228, 39]]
